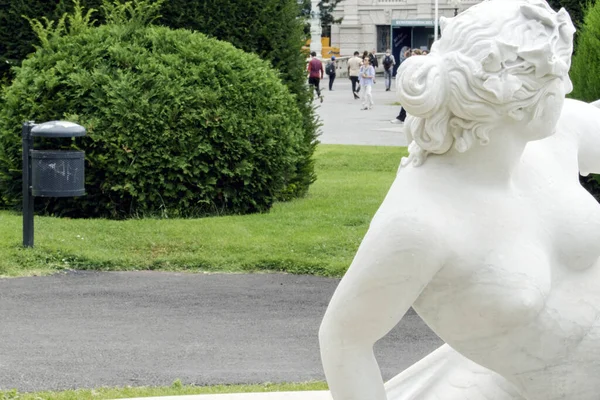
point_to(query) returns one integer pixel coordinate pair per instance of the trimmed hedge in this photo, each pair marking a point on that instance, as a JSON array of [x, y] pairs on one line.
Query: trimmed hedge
[[178, 124], [271, 29]]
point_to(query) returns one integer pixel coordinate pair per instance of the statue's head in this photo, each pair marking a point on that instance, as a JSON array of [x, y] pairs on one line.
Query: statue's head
[[501, 62]]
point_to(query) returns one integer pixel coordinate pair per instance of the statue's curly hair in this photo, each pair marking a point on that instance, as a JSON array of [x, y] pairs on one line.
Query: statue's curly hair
[[494, 60]]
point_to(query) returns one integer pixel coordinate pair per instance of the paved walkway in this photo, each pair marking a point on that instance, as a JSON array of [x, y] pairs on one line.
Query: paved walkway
[[88, 329], [91, 329], [345, 123]]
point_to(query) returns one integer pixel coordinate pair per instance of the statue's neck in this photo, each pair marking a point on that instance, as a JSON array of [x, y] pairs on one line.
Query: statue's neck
[[493, 164]]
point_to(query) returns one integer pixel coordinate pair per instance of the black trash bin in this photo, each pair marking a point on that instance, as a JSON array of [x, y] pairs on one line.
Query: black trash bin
[[57, 173], [49, 173]]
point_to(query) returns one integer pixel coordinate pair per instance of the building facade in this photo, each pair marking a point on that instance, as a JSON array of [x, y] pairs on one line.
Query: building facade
[[393, 24]]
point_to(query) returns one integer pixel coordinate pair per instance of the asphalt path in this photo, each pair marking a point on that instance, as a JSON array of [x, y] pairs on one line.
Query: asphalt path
[[345, 123], [89, 329]]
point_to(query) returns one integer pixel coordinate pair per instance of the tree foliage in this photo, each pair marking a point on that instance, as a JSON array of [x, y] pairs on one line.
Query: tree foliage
[[326, 9], [179, 124]]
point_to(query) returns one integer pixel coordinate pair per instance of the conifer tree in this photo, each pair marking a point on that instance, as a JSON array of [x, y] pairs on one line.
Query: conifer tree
[[585, 66]]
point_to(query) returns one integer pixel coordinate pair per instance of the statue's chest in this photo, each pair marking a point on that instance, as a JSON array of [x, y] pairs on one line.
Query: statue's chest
[[491, 291], [509, 260]]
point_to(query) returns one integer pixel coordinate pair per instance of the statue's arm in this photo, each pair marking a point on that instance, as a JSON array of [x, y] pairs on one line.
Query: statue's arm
[[397, 258], [583, 119]]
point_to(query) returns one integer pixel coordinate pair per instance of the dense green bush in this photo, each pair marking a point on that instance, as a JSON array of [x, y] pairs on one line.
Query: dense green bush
[[269, 28], [585, 73], [177, 123]]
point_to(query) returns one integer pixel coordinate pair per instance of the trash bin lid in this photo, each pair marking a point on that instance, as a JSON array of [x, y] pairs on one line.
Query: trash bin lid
[[58, 129]]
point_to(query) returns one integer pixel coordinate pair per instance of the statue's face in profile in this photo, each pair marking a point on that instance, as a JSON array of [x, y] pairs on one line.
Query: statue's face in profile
[[546, 116]]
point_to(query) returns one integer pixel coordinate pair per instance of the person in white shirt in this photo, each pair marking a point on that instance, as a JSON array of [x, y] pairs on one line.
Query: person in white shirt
[[367, 75], [354, 65]]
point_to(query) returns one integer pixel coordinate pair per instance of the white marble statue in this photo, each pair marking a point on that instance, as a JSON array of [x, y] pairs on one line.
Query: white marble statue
[[486, 231]]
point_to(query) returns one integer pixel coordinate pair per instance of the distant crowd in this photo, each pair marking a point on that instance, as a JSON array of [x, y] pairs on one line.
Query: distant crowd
[[361, 72]]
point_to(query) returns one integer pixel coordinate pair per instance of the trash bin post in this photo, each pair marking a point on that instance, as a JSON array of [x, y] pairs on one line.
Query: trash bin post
[[27, 196]]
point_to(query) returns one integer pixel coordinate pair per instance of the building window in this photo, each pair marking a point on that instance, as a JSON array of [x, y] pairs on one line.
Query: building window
[[383, 38]]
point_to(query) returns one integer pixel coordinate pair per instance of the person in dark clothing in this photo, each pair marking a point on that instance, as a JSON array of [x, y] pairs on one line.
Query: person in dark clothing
[[315, 73], [373, 59], [354, 65], [400, 118], [331, 68], [402, 114]]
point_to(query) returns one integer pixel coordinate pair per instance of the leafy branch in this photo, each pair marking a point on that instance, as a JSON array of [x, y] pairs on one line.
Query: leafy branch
[[137, 12], [74, 23]]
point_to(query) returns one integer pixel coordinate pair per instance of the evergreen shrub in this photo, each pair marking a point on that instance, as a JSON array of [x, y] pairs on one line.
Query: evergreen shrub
[[585, 73], [178, 124], [273, 30]]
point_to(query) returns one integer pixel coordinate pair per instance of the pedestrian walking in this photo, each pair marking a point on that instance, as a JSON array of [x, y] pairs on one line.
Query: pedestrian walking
[[331, 71], [354, 65], [315, 73], [367, 75], [404, 52], [400, 118], [373, 59], [388, 69], [402, 114]]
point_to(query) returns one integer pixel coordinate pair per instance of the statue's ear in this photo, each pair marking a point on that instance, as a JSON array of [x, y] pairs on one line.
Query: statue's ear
[[518, 114]]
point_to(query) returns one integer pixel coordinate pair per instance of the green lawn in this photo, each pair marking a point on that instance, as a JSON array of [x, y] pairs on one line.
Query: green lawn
[[314, 235], [175, 390]]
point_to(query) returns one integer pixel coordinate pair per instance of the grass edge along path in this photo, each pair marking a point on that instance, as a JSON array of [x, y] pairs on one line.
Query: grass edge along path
[[176, 389], [316, 235]]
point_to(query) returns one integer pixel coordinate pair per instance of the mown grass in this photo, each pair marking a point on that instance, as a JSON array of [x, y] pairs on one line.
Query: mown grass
[[177, 389], [318, 234]]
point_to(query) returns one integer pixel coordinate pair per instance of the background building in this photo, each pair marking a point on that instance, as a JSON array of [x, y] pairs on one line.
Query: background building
[[382, 24]]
